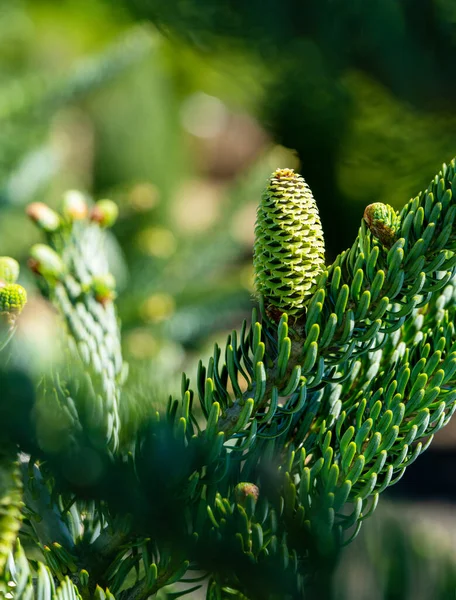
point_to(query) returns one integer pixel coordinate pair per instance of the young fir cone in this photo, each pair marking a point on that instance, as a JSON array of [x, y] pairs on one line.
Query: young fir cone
[[383, 221], [12, 298], [289, 251]]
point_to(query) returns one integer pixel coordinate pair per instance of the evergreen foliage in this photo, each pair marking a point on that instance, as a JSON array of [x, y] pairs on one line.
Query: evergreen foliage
[[74, 274], [253, 480]]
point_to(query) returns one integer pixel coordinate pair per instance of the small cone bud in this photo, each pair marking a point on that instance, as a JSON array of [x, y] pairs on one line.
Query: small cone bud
[[103, 287], [9, 269], [289, 252], [74, 205], [13, 298], [43, 216], [105, 212], [243, 491], [383, 221], [46, 262]]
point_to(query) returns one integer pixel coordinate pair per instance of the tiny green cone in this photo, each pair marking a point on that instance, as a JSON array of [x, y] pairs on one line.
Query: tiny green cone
[[105, 213], [46, 218], [9, 269], [46, 262], [289, 250], [245, 490], [383, 221], [13, 298]]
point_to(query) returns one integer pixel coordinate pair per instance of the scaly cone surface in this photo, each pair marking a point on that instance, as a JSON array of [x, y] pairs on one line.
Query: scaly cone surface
[[289, 251], [12, 298]]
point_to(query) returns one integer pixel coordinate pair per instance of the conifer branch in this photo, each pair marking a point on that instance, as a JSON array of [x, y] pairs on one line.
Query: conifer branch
[[307, 417]]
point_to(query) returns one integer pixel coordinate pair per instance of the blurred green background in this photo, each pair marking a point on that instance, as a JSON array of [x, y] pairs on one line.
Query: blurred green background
[[179, 110]]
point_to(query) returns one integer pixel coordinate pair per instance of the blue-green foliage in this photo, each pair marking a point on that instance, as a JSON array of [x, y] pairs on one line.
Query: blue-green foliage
[[260, 474]]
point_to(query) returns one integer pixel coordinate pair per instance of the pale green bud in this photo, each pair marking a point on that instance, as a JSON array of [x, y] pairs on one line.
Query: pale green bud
[[9, 269], [74, 205], [103, 287], [46, 218], [46, 262], [105, 212]]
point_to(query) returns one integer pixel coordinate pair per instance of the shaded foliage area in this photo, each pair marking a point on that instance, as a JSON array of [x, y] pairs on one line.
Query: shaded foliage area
[[309, 48]]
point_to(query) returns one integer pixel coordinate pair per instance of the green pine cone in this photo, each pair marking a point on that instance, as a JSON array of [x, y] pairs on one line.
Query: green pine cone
[[9, 269], [12, 298], [289, 252], [383, 222]]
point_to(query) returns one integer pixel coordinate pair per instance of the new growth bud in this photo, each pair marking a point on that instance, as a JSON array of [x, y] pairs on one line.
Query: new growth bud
[[9, 269], [105, 212], [289, 252], [103, 287], [74, 205], [46, 262], [244, 490], [47, 219], [383, 221]]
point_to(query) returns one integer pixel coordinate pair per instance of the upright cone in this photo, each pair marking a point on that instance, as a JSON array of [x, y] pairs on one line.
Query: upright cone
[[289, 251]]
